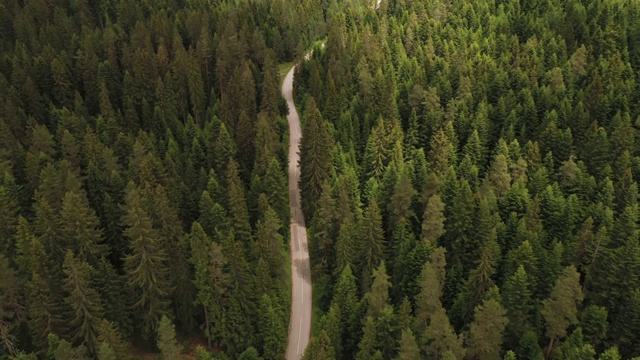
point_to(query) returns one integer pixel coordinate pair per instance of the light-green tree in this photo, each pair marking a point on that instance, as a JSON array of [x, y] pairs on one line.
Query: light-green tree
[[166, 339], [485, 332], [560, 310], [409, 349]]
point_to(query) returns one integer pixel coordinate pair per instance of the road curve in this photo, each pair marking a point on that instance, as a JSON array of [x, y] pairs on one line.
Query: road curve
[[301, 296], [300, 320]]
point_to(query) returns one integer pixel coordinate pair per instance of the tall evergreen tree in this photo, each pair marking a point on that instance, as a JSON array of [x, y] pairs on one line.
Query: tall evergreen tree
[[146, 265], [518, 302], [84, 301], [409, 349], [315, 158], [560, 310], [238, 206], [371, 247], [485, 332], [166, 340]]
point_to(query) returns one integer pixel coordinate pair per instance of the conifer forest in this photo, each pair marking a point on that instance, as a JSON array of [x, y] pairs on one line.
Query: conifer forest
[[468, 179]]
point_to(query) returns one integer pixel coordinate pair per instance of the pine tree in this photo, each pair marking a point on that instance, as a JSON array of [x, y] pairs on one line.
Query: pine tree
[[485, 332], [459, 225], [560, 309], [209, 279], [83, 300], [8, 220], [433, 221], [368, 344], [224, 150], [81, 227], [345, 247], [442, 151], [275, 186], [371, 242], [146, 266], [378, 297], [408, 347], [238, 206], [212, 215], [109, 335], [315, 158], [440, 337], [323, 231], [319, 348], [239, 308], [270, 245], [400, 204], [499, 176], [517, 300], [594, 324], [106, 352], [166, 339], [345, 299], [272, 329], [428, 301], [112, 289], [11, 307]]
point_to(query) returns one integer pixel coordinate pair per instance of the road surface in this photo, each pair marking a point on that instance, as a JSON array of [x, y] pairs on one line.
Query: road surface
[[300, 321]]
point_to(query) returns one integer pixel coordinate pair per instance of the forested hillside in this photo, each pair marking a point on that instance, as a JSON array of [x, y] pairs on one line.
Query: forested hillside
[[469, 171], [142, 176]]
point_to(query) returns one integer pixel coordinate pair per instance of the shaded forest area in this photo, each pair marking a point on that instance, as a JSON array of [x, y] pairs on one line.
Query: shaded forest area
[[143, 190], [469, 173]]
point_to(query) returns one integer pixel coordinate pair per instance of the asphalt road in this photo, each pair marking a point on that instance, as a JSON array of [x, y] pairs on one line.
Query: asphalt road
[[301, 299], [300, 321]]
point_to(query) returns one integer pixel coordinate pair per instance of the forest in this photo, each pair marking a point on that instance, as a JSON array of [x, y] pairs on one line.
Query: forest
[[469, 178]]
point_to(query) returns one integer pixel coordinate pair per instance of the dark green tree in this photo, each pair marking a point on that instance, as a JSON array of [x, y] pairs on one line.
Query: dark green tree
[[84, 301], [146, 265], [315, 158]]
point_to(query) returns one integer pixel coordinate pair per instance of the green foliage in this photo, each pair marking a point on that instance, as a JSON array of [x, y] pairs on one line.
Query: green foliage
[[315, 158], [408, 347], [485, 332], [319, 348], [180, 100], [147, 263], [166, 339]]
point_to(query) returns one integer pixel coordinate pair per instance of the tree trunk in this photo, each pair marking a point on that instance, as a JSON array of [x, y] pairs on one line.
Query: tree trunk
[[206, 320], [549, 349], [7, 342]]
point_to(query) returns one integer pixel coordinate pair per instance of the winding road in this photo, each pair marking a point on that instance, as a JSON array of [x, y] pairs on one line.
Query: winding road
[[300, 321], [301, 295]]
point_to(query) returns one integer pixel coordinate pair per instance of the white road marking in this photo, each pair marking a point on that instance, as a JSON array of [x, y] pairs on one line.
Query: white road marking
[[299, 333]]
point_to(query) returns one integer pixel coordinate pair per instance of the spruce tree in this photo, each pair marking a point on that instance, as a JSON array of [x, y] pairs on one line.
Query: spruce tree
[[109, 335], [440, 337], [272, 329], [409, 349], [485, 332], [315, 158], [166, 339], [378, 297], [433, 221], [146, 265], [371, 240], [560, 309], [319, 348], [516, 293], [239, 214], [81, 228], [84, 301]]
